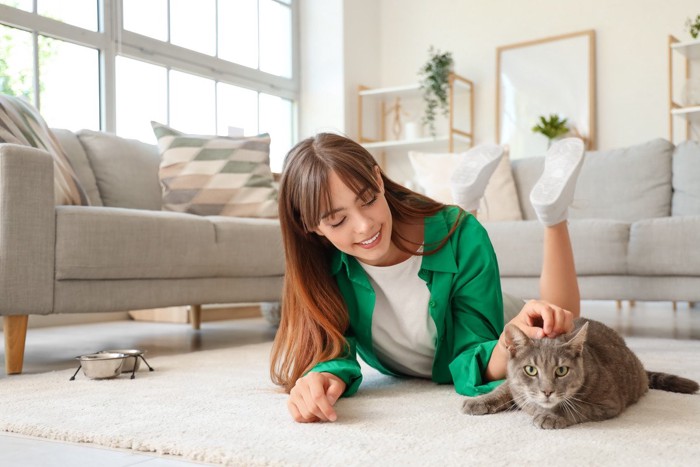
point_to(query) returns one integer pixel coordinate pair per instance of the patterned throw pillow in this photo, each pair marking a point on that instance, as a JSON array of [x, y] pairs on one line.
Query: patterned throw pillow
[[20, 123], [216, 175]]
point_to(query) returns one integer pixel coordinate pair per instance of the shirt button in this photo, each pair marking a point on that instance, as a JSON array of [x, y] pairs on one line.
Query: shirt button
[[432, 304]]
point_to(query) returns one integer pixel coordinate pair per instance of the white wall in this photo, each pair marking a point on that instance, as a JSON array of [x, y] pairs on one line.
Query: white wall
[[321, 67], [340, 42], [631, 42], [631, 51]]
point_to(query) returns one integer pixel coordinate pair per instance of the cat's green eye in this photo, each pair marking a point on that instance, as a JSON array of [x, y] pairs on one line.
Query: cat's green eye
[[561, 371], [530, 370]]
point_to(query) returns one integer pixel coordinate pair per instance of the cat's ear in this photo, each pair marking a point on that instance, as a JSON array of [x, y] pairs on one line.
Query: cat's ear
[[576, 342], [515, 339]]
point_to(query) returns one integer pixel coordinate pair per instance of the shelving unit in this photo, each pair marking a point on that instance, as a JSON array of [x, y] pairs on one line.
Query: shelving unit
[[374, 102], [689, 50]]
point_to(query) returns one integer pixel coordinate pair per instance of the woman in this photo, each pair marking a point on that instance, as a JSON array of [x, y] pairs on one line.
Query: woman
[[409, 283]]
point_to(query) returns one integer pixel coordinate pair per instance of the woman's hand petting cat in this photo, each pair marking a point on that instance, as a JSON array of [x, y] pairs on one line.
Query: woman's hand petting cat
[[540, 319], [313, 396]]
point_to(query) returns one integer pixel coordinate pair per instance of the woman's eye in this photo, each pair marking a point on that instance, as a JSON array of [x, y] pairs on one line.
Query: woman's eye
[[338, 223], [561, 371], [371, 202], [530, 370]]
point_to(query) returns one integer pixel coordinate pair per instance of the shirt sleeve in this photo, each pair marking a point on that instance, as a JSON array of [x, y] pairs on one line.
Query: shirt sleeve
[[477, 307], [346, 368]]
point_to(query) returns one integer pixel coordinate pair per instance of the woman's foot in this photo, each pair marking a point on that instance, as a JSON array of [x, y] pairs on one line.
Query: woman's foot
[[474, 169], [554, 191]]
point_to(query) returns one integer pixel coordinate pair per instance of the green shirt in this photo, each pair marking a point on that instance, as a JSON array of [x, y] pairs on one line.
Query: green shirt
[[465, 303]]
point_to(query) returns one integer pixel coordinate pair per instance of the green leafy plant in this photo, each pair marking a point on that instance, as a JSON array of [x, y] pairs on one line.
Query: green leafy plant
[[693, 26], [552, 127], [434, 82]]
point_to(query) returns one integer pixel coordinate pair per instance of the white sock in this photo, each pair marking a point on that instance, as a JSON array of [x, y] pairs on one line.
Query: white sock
[[474, 169], [554, 191]]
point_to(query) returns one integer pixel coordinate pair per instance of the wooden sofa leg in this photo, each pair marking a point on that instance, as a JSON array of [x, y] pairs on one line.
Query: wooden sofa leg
[[196, 316], [633, 303], [15, 330], [618, 304], [674, 305], [691, 304]]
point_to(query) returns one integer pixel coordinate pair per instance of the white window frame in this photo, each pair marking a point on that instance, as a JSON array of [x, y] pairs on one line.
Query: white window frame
[[111, 40]]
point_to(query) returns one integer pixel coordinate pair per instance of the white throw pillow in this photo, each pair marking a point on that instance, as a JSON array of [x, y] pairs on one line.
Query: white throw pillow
[[500, 202]]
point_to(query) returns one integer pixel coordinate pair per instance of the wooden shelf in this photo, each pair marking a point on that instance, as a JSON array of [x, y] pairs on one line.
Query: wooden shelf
[[409, 89], [461, 113], [689, 49], [440, 140], [691, 113]]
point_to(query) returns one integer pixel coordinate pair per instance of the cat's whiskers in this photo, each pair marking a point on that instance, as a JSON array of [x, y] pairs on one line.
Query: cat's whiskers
[[571, 408], [582, 401]]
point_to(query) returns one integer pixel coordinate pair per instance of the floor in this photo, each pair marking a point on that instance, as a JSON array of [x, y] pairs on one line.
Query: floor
[[54, 348]]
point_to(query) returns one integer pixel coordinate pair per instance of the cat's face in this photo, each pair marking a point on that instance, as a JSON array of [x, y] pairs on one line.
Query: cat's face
[[545, 372]]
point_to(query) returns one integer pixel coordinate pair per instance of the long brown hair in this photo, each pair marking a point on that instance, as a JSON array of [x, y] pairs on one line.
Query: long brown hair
[[314, 316]]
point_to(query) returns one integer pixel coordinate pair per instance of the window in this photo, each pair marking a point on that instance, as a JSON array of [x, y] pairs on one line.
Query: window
[[211, 66]]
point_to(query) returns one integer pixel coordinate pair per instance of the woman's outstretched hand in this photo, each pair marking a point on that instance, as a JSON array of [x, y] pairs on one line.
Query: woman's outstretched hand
[[313, 396], [540, 319]]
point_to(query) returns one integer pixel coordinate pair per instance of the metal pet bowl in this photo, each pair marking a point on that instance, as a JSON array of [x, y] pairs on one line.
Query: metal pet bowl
[[132, 362], [111, 363], [102, 365]]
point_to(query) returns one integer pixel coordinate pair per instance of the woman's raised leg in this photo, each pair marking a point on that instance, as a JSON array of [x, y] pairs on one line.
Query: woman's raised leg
[[551, 197]]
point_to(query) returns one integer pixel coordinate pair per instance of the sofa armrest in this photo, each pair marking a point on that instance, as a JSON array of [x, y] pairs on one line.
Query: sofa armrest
[[27, 230]]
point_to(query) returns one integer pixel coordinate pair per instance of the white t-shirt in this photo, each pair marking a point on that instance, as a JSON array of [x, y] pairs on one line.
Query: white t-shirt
[[403, 332]]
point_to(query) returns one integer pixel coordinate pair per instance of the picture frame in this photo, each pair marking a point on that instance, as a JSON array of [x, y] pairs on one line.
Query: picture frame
[[552, 75]]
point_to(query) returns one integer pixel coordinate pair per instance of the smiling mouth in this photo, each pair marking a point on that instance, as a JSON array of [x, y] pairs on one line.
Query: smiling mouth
[[370, 241]]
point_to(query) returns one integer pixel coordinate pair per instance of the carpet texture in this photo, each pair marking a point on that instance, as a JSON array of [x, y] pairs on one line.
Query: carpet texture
[[220, 407]]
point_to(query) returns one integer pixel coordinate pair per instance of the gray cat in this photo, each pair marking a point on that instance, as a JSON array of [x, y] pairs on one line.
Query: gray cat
[[587, 375]]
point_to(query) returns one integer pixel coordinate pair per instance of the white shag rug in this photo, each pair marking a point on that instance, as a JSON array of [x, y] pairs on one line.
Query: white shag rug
[[220, 407]]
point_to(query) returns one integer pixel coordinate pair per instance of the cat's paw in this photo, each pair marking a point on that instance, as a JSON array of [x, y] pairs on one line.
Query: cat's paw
[[475, 406], [550, 422]]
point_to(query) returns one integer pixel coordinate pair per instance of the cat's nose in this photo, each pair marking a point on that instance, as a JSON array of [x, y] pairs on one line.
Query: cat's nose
[[547, 392]]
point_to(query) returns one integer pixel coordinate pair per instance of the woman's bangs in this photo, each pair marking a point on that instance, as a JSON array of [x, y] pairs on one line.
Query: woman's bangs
[[362, 183]]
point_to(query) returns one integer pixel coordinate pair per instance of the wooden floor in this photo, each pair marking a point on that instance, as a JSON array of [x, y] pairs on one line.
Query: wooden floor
[[54, 348]]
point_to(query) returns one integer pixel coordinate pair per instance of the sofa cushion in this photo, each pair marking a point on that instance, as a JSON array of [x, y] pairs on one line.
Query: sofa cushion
[[20, 123], [433, 172], [115, 243], [686, 179], [248, 247], [666, 246], [625, 184], [600, 246], [79, 160], [126, 170], [216, 175]]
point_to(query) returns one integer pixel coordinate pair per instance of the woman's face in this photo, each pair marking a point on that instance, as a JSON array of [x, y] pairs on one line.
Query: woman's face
[[359, 228]]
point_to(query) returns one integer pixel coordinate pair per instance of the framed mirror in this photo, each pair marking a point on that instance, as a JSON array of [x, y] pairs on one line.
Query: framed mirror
[[544, 77]]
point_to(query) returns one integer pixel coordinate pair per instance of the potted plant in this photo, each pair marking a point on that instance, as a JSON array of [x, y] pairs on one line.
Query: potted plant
[[434, 82], [693, 26], [552, 127]]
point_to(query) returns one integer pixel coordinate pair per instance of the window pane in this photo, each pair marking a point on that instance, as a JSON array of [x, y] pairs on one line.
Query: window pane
[[69, 99], [26, 5], [193, 25], [237, 110], [16, 64], [238, 31], [275, 38], [81, 13], [276, 119], [148, 18], [192, 108], [142, 96]]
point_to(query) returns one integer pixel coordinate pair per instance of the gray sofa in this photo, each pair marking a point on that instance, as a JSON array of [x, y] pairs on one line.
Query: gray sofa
[[122, 252], [635, 225]]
